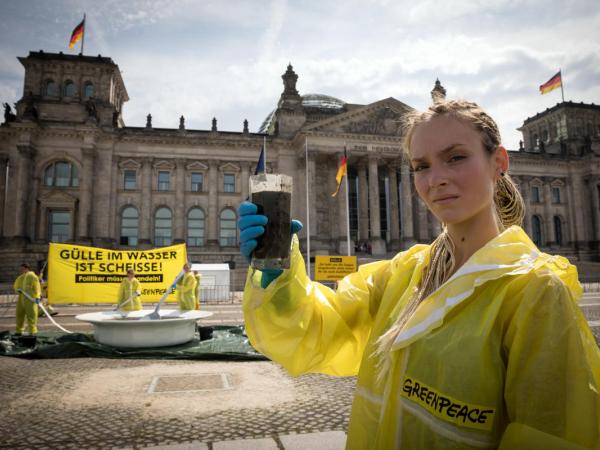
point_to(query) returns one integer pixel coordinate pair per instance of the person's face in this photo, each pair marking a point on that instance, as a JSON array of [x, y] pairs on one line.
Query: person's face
[[24, 270], [186, 268], [130, 276], [454, 174]]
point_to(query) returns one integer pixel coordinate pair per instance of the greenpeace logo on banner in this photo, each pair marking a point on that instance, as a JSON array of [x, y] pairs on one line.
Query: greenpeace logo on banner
[[446, 408], [81, 274]]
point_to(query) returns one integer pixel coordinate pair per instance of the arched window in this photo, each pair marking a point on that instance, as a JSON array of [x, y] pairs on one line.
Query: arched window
[[69, 89], [195, 227], [61, 174], [557, 230], [50, 88], [227, 228], [545, 135], [536, 230], [162, 226], [129, 226], [88, 89]]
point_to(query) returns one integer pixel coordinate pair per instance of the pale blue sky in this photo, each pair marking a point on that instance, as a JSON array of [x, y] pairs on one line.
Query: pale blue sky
[[225, 58]]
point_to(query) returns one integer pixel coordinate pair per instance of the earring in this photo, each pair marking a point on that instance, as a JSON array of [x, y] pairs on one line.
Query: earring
[[502, 174]]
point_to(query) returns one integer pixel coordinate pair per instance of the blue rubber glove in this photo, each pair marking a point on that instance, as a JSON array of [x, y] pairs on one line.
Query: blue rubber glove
[[252, 226]]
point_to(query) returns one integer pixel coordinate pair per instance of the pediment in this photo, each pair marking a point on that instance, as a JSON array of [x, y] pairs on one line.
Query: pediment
[[129, 164], [557, 183], [196, 165], [383, 118], [164, 164], [229, 167], [55, 198], [536, 182]]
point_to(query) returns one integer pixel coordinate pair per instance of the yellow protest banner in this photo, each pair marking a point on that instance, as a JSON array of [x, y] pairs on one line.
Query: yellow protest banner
[[333, 267], [80, 274]]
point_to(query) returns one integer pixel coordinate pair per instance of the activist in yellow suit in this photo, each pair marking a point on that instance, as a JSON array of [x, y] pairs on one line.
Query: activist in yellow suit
[[130, 291], [186, 290], [29, 283], [494, 354], [198, 277]]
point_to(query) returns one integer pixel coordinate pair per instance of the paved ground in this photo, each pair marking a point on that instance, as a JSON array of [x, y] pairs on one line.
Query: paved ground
[[105, 403]]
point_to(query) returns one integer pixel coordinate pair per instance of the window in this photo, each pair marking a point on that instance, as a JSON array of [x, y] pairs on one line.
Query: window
[[227, 228], [555, 195], [129, 180], [557, 230], [51, 90], [197, 180], [88, 90], [195, 227], [535, 194], [129, 226], [536, 230], [545, 135], [163, 181], [229, 182], [59, 226], [69, 89], [61, 174], [162, 226]]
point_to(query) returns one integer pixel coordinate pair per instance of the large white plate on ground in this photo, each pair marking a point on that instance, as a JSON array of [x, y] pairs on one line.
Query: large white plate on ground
[[175, 327]]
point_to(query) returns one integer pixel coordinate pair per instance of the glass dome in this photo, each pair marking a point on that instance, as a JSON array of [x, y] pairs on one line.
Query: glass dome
[[319, 101]]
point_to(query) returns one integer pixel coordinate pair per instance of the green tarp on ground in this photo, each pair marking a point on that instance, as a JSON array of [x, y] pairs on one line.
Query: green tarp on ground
[[227, 343]]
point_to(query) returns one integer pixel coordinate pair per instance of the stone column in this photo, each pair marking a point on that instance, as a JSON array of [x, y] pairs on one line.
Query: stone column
[[213, 193], [3, 167], [577, 192], [312, 194], [394, 208], [245, 180], [86, 186], [525, 189], [104, 211], [342, 213], [179, 219], [408, 232], [363, 202], [594, 181], [25, 164], [145, 222], [377, 244], [549, 222]]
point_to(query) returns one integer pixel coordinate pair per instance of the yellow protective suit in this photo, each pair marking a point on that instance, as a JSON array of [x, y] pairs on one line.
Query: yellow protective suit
[[26, 309], [185, 293], [197, 290], [500, 355], [128, 288]]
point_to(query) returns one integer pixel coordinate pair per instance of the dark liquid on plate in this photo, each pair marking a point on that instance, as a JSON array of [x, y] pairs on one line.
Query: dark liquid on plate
[[275, 242]]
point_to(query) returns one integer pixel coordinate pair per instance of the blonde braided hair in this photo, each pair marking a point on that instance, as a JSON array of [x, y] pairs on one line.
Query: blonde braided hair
[[509, 208]]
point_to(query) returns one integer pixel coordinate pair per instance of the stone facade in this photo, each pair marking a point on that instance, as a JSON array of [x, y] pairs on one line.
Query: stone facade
[[70, 170]]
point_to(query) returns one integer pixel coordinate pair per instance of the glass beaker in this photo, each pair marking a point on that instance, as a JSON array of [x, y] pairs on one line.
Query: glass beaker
[[272, 194]]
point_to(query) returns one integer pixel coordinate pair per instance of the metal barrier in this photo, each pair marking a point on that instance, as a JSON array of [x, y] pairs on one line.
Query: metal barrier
[[591, 287]]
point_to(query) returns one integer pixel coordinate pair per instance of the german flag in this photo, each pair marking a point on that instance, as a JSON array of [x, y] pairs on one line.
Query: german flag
[[551, 84], [77, 34], [340, 173]]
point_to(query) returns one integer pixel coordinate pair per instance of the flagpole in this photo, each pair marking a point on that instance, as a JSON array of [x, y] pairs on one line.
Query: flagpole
[[83, 35], [265, 149], [347, 206], [307, 208], [561, 85]]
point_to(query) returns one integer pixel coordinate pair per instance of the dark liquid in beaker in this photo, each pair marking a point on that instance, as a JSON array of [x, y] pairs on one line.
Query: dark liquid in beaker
[[275, 242]]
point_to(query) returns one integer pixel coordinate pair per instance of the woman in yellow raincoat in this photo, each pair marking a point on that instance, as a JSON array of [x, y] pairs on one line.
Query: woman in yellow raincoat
[[474, 341], [186, 290], [128, 298]]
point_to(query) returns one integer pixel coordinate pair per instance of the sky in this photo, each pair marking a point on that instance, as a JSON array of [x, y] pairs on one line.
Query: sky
[[224, 59]]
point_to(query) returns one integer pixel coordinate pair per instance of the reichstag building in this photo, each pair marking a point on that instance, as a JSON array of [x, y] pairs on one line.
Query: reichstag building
[[72, 171]]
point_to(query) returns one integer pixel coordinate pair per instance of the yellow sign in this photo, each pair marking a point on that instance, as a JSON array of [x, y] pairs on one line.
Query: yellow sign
[[79, 274], [334, 267]]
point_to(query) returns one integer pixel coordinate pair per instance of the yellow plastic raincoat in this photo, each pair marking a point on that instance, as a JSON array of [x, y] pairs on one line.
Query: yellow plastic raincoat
[[197, 290], [126, 289], [26, 309], [185, 292], [499, 356]]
